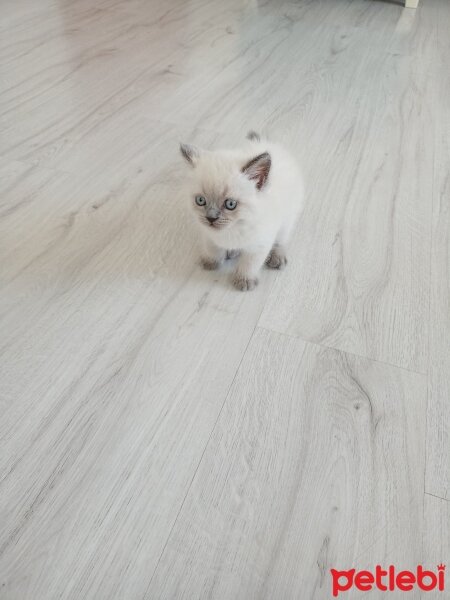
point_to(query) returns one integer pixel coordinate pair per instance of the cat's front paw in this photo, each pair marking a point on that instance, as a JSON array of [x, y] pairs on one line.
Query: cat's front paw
[[243, 283], [210, 264], [276, 259]]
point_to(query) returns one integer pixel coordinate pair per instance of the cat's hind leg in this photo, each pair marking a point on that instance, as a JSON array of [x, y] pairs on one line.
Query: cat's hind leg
[[277, 256]]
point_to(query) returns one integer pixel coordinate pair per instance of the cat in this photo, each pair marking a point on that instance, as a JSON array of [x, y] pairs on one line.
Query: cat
[[245, 203]]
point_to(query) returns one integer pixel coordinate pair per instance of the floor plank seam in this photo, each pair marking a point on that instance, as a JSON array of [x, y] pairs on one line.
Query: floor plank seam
[[376, 360], [438, 497]]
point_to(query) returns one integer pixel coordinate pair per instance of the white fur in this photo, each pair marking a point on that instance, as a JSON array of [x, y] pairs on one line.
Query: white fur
[[266, 216]]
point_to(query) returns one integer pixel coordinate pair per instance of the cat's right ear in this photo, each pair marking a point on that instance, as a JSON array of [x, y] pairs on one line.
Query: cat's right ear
[[258, 169], [191, 154]]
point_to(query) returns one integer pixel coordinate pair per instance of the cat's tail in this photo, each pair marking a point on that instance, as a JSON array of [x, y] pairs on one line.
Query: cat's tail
[[253, 136]]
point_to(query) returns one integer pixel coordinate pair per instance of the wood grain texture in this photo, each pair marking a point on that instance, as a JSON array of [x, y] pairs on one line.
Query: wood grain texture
[[438, 439], [436, 532], [81, 65], [127, 469], [116, 360], [308, 439], [363, 247]]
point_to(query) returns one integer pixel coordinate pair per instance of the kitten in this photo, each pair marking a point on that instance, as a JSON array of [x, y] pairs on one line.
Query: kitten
[[246, 203]]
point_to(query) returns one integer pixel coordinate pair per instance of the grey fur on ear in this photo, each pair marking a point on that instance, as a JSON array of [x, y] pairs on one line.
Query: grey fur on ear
[[190, 153], [258, 169]]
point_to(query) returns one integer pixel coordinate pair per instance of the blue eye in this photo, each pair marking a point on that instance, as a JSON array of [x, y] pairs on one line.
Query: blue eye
[[200, 200], [230, 204]]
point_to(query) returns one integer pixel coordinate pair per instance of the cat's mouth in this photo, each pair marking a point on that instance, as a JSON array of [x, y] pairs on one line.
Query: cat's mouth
[[213, 225]]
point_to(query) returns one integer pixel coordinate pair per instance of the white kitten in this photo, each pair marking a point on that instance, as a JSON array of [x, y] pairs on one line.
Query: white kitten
[[246, 203]]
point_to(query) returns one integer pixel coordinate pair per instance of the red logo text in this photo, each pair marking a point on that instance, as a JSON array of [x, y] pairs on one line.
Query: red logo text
[[388, 580]]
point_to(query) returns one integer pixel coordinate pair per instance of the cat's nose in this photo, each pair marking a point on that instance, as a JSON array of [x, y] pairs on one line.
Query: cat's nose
[[212, 214]]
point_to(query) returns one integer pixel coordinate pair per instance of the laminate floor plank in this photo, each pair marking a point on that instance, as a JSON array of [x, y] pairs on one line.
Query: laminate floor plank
[[438, 438]]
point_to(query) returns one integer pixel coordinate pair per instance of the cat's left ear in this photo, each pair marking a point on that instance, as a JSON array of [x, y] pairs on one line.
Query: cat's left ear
[[191, 154], [258, 169]]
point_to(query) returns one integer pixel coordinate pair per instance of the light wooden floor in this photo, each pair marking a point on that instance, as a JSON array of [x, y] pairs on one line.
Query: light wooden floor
[[162, 435]]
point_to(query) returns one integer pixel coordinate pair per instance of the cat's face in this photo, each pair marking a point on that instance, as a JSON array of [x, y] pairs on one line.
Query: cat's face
[[217, 212], [219, 204], [222, 191]]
